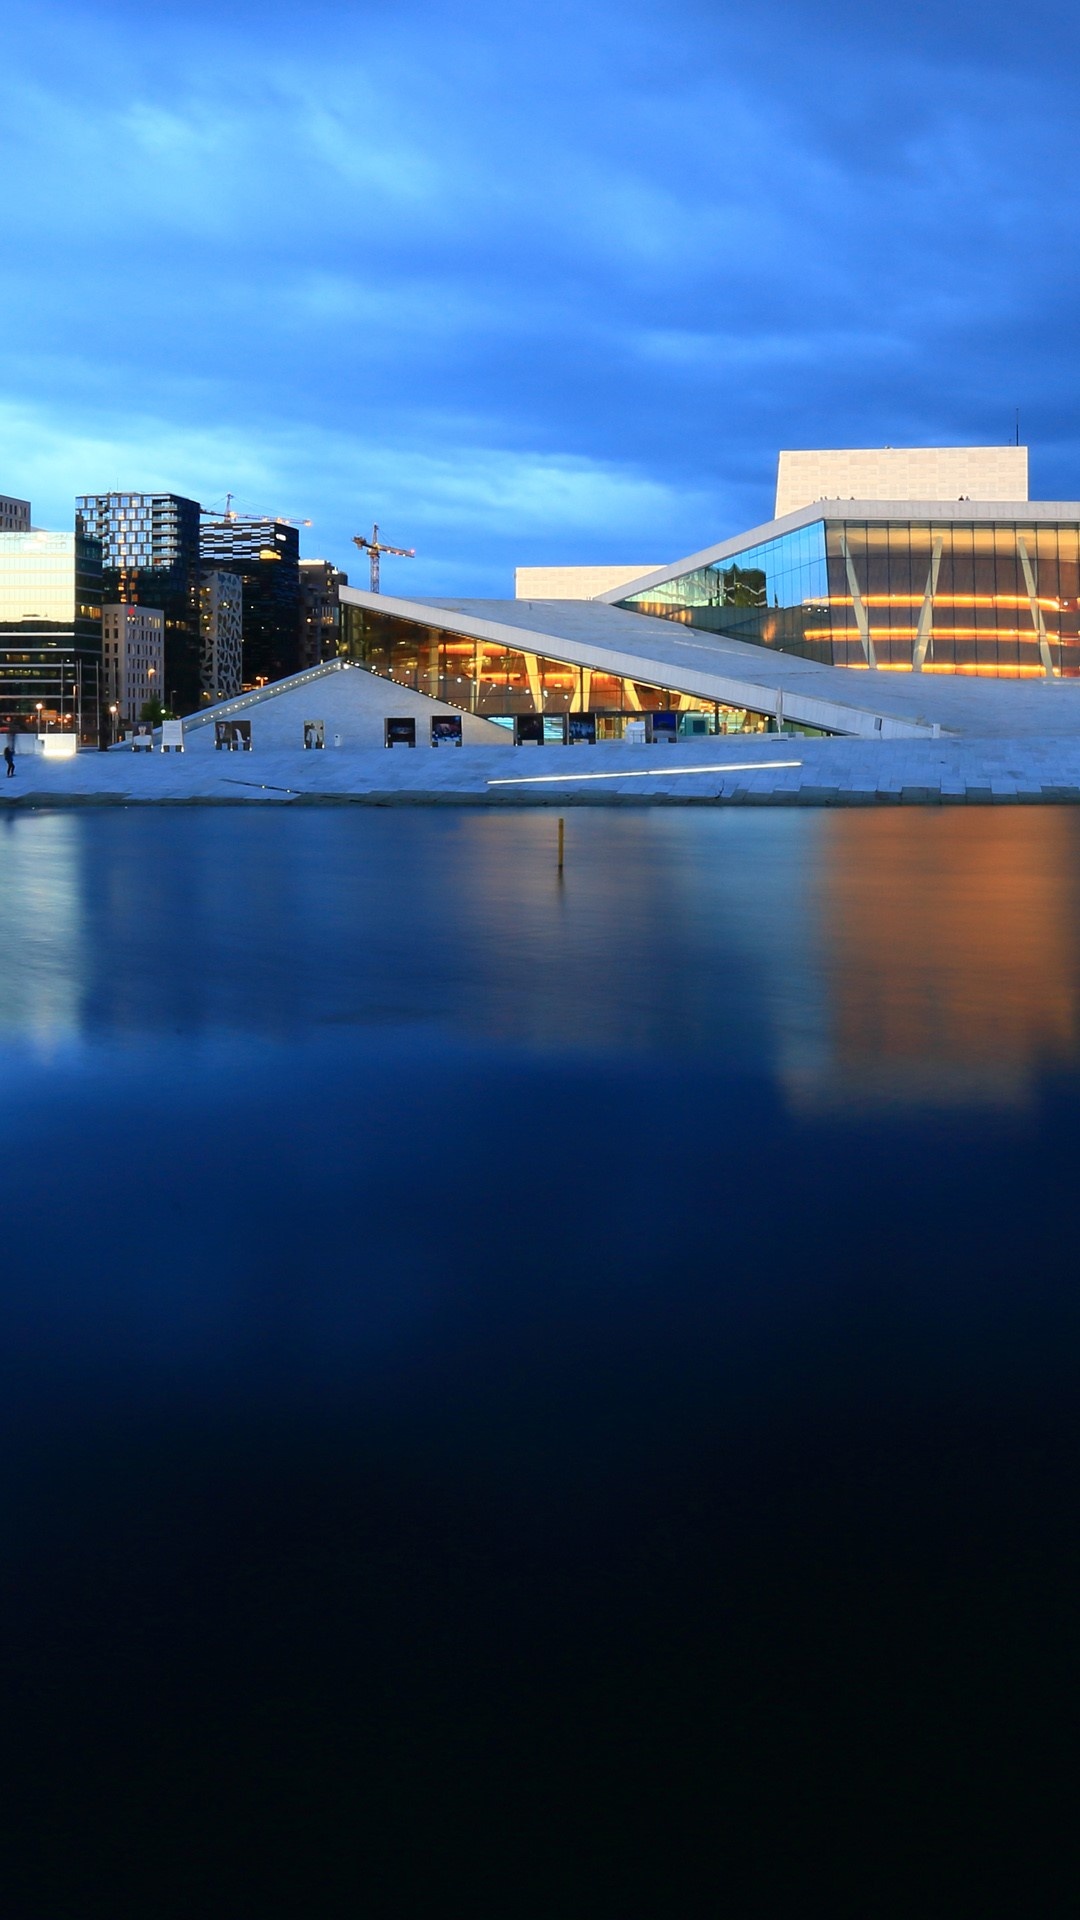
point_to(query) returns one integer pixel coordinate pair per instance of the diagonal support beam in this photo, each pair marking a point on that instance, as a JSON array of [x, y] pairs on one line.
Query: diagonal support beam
[[862, 618], [1037, 620]]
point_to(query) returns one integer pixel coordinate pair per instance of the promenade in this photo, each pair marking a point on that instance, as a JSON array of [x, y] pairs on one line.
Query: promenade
[[731, 771]]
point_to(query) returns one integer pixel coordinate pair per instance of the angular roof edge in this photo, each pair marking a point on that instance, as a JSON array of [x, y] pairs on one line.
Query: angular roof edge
[[1026, 512]]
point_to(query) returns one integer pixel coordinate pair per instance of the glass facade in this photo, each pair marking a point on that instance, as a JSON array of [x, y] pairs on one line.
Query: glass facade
[[502, 683], [320, 611], [265, 555], [50, 631], [994, 598], [150, 553]]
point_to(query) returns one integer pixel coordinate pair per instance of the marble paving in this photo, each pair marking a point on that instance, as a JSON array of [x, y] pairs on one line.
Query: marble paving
[[772, 770]]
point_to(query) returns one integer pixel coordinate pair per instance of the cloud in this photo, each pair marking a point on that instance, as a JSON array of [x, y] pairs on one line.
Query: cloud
[[570, 278], [434, 500]]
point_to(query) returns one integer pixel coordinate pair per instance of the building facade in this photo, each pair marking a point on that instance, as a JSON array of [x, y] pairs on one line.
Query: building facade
[[221, 615], [133, 660], [506, 680], [265, 555], [969, 587], [50, 632], [320, 611], [150, 554], [14, 514], [804, 476], [574, 583]]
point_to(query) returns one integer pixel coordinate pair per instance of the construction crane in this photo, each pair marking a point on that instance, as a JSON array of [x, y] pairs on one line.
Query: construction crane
[[286, 519], [374, 547]]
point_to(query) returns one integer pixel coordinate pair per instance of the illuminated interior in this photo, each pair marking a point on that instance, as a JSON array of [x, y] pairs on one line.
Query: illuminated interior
[[934, 596], [50, 632], [500, 683]]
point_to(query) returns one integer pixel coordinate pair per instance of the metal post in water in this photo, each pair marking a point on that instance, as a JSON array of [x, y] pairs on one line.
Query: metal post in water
[[562, 833]]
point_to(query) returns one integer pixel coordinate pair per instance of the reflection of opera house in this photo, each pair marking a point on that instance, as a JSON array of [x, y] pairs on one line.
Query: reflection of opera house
[[842, 615]]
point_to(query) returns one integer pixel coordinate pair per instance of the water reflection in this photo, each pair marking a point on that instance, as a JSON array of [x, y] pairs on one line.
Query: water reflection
[[908, 955], [41, 930], [950, 949], [441, 1370]]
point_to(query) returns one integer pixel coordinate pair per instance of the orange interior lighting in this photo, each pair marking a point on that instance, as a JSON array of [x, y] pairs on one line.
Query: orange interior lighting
[[990, 600]]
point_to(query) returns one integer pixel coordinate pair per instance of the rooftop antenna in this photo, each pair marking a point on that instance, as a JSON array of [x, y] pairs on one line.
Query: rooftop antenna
[[374, 547]]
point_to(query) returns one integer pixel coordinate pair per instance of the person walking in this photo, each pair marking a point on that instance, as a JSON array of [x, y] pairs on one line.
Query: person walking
[[9, 756]]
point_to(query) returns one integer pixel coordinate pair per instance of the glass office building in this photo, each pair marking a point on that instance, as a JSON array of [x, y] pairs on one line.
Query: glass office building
[[504, 683], [978, 596], [265, 556], [150, 554], [320, 611], [50, 632]]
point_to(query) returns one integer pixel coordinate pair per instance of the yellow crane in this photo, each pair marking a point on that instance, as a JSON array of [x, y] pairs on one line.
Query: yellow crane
[[374, 547]]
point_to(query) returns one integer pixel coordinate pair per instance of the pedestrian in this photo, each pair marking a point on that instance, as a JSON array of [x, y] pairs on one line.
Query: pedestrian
[[9, 756]]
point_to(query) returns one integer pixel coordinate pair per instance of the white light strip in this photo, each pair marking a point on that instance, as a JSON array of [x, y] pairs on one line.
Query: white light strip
[[641, 773]]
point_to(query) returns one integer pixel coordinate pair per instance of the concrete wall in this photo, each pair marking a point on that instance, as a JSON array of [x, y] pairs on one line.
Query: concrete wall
[[900, 473], [348, 700], [574, 583]]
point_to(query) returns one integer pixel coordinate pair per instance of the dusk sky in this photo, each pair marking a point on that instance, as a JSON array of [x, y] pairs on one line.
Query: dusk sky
[[528, 286]]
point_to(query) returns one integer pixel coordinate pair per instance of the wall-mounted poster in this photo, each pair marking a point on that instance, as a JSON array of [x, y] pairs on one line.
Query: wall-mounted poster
[[172, 736], [581, 729], [401, 733], [314, 733], [446, 730], [529, 730], [142, 737], [233, 735]]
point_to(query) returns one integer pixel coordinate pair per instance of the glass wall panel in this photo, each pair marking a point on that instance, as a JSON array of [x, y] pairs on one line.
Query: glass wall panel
[[50, 631], [498, 683], [772, 594], [938, 597]]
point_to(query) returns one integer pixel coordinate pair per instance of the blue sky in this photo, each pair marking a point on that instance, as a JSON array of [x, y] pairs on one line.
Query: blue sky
[[528, 287]]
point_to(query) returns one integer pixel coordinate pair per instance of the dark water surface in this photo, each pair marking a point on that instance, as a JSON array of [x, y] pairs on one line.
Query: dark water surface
[[534, 1396]]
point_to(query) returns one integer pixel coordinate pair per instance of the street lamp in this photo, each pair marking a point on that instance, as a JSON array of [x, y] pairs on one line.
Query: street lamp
[[40, 704]]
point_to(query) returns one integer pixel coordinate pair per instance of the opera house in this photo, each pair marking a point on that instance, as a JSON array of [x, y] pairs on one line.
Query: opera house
[[895, 591]]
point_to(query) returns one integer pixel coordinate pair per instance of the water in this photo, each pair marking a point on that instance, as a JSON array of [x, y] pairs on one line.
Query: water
[[542, 1395]]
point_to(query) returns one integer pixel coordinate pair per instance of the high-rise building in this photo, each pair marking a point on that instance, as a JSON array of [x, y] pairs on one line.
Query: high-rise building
[[320, 611], [14, 514], [50, 631], [266, 556], [150, 554], [221, 611], [133, 659]]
